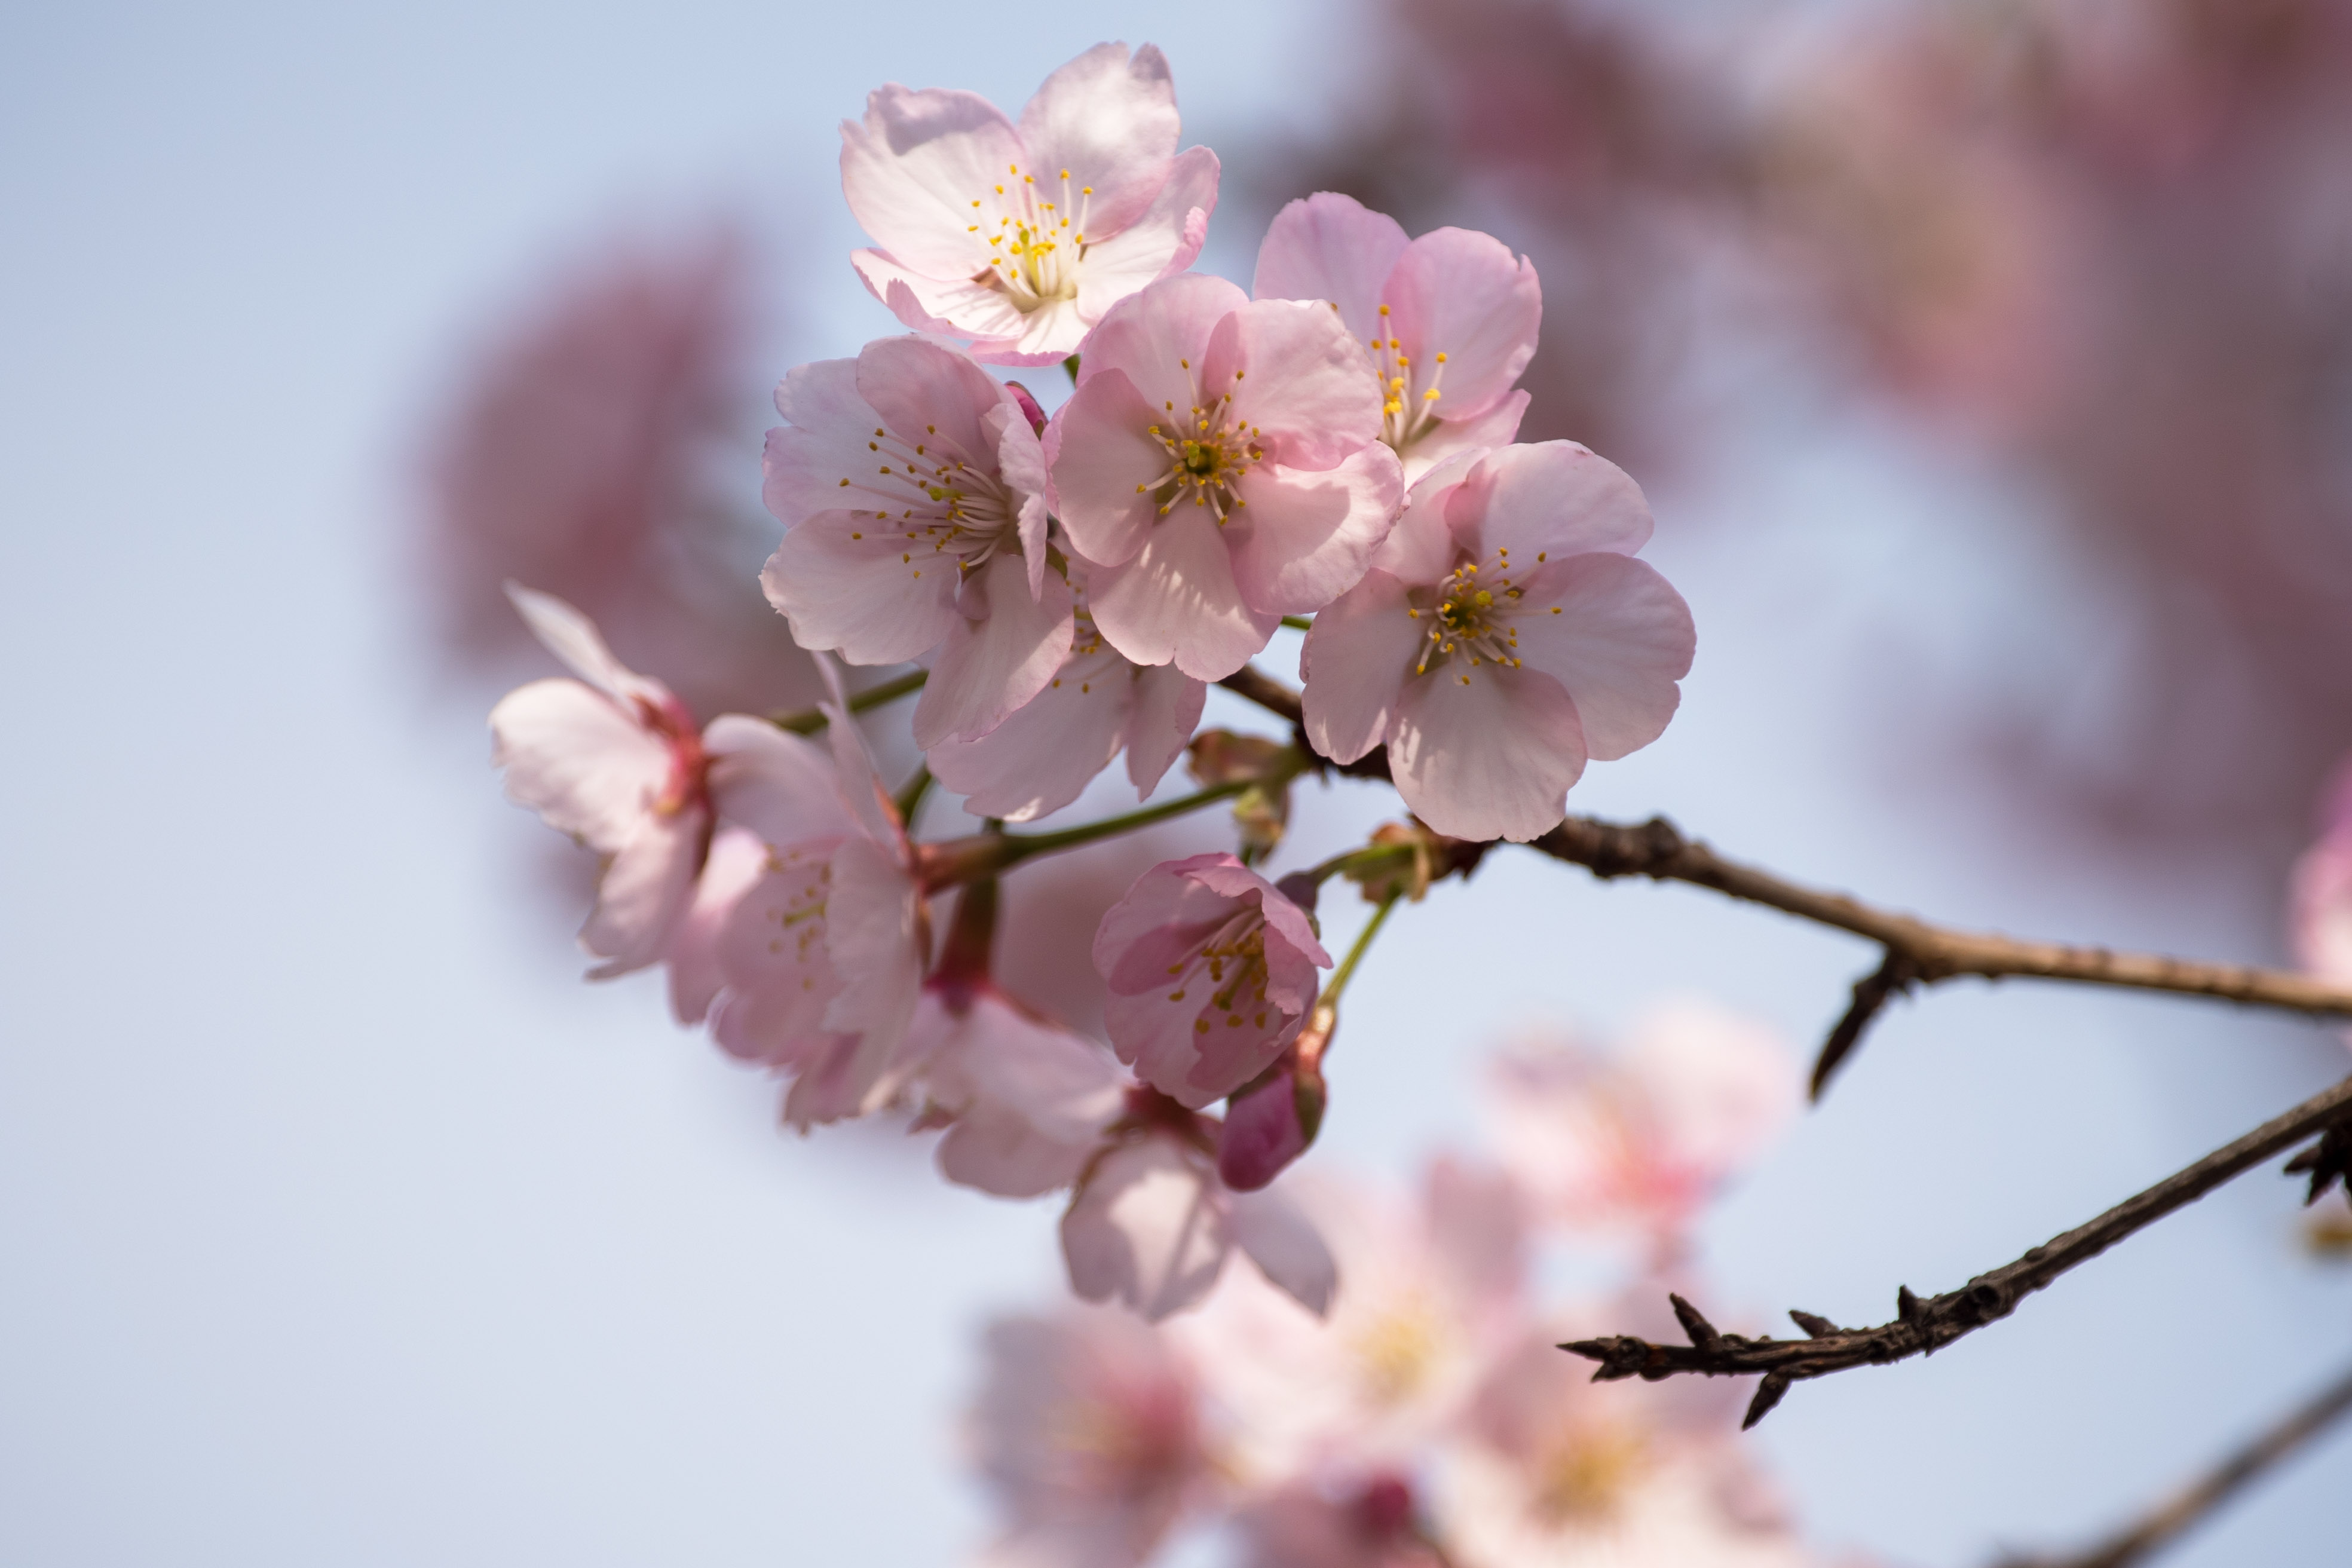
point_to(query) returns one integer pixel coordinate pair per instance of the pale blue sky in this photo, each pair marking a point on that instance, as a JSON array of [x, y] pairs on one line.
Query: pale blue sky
[[339, 1224]]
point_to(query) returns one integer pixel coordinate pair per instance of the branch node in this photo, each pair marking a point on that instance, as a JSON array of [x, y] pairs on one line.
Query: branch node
[[1906, 1305], [1814, 1323], [1703, 1334], [1893, 977]]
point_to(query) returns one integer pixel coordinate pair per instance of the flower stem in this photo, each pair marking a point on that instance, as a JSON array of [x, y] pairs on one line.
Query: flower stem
[[809, 721], [1341, 977], [1020, 847], [1299, 623], [909, 799]]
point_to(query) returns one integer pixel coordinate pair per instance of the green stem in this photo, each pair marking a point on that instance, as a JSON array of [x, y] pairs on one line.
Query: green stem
[[1368, 859], [1299, 623], [809, 721], [1020, 847], [1341, 977], [1071, 365]]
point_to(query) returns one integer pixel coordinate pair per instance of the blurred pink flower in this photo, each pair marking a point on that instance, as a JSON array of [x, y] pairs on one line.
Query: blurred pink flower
[[587, 454], [911, 489], [1370, 1525], [1031, 1102], [1151, 1226], [1641, 1139], [1211, 970], [1087, 1429], [1501, 559], [2320, 893], [1450, 319], [1220, 465], [1096, 705], [1020, 238]]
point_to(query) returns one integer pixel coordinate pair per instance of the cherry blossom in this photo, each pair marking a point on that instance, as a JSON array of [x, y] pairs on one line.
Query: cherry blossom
[[1098, 704], [1031, 1102], [1151, 1226], [1219, 463], [1504, 633], [1211, 972], [911, 488], [1088, 1429], [1020, 238], [1369, 1524], [823, 955], [1560, 1470], [1449, 319], [1644, 1138]]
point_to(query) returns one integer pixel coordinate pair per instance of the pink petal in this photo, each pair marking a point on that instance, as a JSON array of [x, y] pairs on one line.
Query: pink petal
[[852, 584], [1305, 383], [1049, 334], [1554, 498], [1176, 600], [805, 460], [643, 891], [572, 756], [861, 786], [1064, 1084], [1287, 1248], [874, 933], [1722, 1087], [1166, 709], [1333, 247], [1448, 439], [1487, 754], [573, 639], [1620, 641], [1111, 122], [1465, 295], [1161, 243], [1147, 1229], [1148, 336], [1420, 549], [991, 665], [2320, 903], [1098, 451], [993, 1149], [1041, 757], [782, 787], [929, 394], [1355, 663], [913, 168], [736, 863], [958, 306], [771, 953], [1306, 538], [1228, 876], [1021, 465]]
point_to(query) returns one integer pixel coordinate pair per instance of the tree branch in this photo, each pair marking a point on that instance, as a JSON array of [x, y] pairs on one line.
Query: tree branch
[[1922, 1326], [1914, 951], [2189, 1505]]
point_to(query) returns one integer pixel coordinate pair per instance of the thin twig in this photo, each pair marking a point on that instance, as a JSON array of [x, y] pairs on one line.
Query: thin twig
[[2193, 1503], [1923, 1326], [809, 721], [1914, 951]]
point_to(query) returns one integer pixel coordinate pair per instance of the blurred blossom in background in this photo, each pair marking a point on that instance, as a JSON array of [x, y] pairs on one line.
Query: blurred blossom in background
[[1989, 363]]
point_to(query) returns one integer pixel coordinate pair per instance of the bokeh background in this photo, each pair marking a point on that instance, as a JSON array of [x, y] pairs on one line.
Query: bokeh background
[[1989, 365]]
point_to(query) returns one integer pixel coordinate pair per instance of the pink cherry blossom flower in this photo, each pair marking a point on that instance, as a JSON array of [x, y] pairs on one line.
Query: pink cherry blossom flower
[[1031, 1102], [1096, 705], [1021, 237], [911, 488], [1449, 319], [1367, 1524], [1088, 1429], [822, 956], [2320, 896], [1430, 1289], [1151, 1226], [1557, 1470], [1504, 633], [1219, 463], [1211, 972], [1644, 1138], [615, 760]]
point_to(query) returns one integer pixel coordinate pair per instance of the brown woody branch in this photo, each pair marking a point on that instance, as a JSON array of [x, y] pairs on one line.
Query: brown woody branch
[[1915, 952], [2189, 1505], [1923, 1326]]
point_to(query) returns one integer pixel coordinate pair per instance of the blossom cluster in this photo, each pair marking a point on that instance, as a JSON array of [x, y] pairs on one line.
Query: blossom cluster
[[1428, 1419], [1332, 447]]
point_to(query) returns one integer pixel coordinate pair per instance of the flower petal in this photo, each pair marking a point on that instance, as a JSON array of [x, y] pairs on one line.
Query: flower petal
[[958, 306], [1355, 662], [1162, 242], [1304, 381], [815, 461], [874, 927], [852, 585], [1287, 1248], [1463, 294], [1306, 537], [644, 891], [1176, 600], [913, 170], [1148, 336], [1102, 461], [1147, 1229], [1110, 121], [772, 952], [1555, 498], [1041, 757], [735, 864], [930, 395], [785, 787], [991, 665], [573, 639], [1330, 247], [1446, 439], [1487, 754], [571, 754], [1420, 548], [1166, 709], [1622, 639]]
